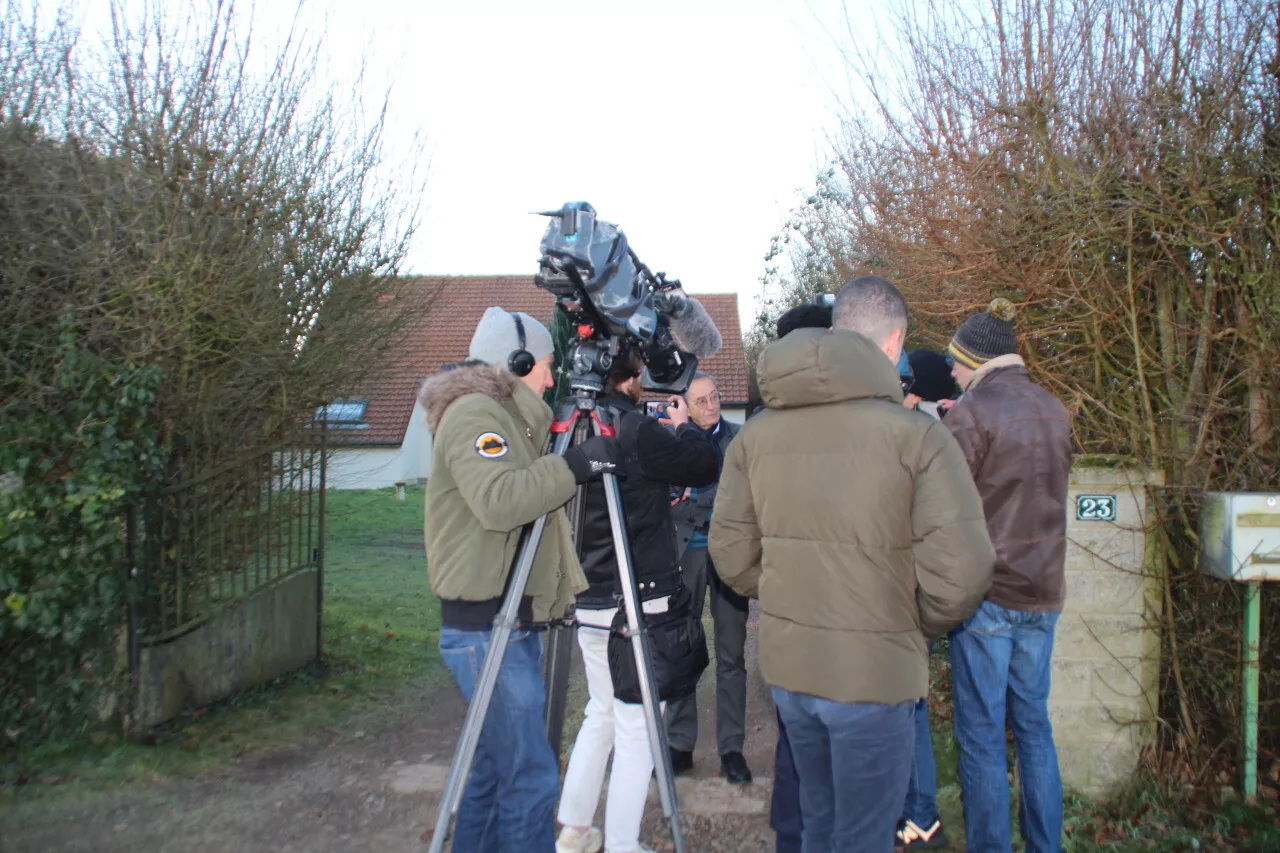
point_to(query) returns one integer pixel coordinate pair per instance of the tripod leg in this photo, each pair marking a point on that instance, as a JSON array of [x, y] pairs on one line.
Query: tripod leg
[[560, 638], [559, 657], [465, 753], [639, 645]]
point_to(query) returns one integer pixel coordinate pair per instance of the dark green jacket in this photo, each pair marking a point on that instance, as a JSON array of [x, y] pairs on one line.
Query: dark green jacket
[[489, 478], [853, 520]]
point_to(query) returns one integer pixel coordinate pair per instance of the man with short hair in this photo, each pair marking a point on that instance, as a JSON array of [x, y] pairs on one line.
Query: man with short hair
[[856, 523], [1016, 437], [692, 516], [489, 478]]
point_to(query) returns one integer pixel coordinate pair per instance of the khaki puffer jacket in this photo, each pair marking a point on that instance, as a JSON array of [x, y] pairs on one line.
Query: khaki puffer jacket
[[853, 520]]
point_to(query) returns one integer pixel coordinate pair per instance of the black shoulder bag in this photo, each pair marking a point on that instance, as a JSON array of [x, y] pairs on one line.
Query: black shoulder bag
[[677, 650]]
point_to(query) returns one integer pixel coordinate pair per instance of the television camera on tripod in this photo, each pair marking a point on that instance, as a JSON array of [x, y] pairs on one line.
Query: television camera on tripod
[[611, 300]]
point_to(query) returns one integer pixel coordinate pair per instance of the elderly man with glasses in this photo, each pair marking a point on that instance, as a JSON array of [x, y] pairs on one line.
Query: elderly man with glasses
[[692, 514]]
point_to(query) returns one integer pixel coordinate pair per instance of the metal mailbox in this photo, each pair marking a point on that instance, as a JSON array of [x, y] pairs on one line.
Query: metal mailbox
[[1240, 536], [1240, 541]]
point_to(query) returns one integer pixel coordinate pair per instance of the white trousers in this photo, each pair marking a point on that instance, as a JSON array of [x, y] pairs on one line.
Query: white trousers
[[610, 725]]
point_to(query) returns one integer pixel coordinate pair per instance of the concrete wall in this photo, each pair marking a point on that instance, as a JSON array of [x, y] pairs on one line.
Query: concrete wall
[[1106, 659], [270, 632]]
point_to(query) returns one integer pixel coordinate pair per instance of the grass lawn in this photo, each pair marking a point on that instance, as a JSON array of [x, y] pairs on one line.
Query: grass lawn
[[380, 627]]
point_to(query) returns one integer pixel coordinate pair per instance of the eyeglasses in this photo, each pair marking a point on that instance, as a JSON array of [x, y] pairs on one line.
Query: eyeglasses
[[703, 402]]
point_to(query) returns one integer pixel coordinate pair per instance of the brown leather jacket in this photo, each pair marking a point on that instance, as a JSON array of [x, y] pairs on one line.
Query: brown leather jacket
[[1017, 439]]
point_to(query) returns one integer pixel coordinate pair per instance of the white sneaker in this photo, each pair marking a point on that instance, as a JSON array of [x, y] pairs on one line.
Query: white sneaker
[[574, 840]]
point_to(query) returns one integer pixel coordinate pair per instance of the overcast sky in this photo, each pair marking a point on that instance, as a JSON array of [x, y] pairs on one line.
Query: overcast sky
[[694, 124]]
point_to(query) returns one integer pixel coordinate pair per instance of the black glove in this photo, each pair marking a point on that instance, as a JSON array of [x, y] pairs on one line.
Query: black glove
[[595, 456]]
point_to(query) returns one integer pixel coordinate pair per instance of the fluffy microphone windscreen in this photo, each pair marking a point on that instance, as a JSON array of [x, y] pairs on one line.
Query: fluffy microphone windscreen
[[695, 332]]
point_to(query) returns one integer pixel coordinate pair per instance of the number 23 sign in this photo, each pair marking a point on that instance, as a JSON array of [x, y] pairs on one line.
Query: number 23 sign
[[1096, 508]]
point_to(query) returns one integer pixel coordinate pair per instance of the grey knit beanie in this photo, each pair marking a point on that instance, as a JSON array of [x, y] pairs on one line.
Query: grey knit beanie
[[496, 337], [985, 336]]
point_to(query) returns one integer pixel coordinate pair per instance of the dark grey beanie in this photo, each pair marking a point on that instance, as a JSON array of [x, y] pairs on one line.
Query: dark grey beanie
[[985, 336]]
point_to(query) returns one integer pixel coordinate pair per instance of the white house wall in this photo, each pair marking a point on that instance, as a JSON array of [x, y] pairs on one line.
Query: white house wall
[[383, 467]]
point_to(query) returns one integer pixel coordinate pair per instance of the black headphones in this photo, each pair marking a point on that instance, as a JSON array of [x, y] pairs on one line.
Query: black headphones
[[521, 361]]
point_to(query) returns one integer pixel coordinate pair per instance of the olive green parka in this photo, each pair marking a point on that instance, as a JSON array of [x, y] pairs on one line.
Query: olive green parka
[[489, 478]]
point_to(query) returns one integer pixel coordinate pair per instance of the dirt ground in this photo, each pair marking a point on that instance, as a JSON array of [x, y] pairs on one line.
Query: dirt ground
[[373, 784]]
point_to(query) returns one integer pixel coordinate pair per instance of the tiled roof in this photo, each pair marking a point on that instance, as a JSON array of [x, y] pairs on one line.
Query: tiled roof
[[442, 333]]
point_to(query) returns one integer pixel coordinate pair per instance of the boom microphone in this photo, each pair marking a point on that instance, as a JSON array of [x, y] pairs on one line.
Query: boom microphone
[[692, 328]]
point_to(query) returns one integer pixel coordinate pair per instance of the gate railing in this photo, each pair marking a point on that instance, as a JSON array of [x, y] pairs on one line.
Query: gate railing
[[201, 545]]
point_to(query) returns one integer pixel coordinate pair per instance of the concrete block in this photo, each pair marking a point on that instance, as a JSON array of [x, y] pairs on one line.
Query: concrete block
[[1108, 591], [1113, 763], [1101, 547], [1090, 724], [1132, 681], [1072, 679], [1085, 636], [1083, 476], [1075, 764]]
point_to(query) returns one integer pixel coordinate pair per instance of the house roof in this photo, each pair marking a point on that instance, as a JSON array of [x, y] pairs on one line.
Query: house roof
[[453, 306]]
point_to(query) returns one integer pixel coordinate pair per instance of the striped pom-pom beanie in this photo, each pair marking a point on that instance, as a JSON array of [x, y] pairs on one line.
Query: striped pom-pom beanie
[[985, 336]]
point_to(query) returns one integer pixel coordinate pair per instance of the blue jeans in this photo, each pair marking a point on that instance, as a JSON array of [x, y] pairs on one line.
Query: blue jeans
[[853, 760], [1000, 670], [508, 805], [784, 806], [922, 789]]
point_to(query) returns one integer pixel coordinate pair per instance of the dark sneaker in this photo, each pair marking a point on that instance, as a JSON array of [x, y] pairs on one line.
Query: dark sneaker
[[912, 837], [681, 761], [735, 769]]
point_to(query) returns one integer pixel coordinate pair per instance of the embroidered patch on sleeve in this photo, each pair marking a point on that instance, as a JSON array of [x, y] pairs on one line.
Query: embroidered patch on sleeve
[[490, 445]]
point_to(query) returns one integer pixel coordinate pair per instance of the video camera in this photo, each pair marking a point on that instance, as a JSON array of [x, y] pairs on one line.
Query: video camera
[[613, 300]]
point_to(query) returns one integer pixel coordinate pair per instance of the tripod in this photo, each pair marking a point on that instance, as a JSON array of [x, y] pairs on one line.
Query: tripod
[[577, 417]]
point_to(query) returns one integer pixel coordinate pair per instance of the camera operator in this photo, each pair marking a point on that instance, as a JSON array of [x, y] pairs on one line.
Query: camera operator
[[489, 478], [654, 460]]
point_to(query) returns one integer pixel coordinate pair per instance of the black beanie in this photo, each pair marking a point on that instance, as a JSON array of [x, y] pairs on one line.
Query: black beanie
[[985, 336], [933, 380], [808, 316]]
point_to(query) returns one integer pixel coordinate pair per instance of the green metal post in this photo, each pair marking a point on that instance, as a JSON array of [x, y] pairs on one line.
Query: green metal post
[[1252, 620]]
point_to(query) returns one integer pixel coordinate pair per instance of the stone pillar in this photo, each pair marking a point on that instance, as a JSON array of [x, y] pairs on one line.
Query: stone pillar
[[1106, 658]]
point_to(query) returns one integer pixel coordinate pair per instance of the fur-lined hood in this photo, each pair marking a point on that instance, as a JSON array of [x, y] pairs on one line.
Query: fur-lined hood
[[439, 391]]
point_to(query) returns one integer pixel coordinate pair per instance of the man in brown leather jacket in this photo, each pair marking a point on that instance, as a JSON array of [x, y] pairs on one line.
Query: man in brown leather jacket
[[1016, 437]]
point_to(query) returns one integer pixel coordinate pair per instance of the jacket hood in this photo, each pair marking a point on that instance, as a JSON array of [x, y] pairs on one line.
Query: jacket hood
[[810, 367], [440, 390]]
